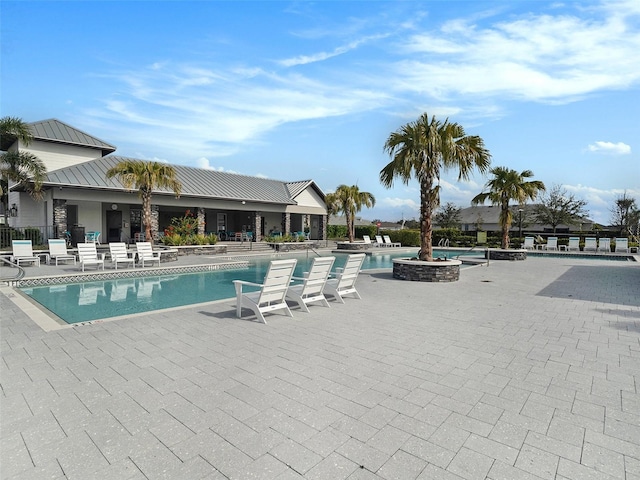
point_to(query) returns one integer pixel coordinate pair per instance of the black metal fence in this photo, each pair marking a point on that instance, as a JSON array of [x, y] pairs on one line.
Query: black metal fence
[[39, 236]]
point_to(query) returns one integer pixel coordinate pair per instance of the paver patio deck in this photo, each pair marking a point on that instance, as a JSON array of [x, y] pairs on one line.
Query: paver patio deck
[[520, 370]]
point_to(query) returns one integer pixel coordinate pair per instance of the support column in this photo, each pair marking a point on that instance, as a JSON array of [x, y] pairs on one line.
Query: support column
[[257, 226], [60, 217], [201, 221], [322, 228], [286, 224]]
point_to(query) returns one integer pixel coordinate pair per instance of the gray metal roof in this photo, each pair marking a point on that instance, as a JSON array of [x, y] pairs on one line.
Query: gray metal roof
[[54, 130], [196, 182]]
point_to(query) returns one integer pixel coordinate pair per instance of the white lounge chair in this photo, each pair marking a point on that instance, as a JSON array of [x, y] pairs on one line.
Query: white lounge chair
[[58, 251], [345, 281], [119, 254], [272, 293], [622, 245], [528, 243], [389, 243], [367, 239], [22, 252], [604, 245], [574, 244], [146, 253], [590, 244], [311, 289], [552, 243], [380, 241], [88, 255]]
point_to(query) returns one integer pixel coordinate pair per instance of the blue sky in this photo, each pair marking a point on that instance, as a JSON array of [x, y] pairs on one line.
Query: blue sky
[[311, 90]]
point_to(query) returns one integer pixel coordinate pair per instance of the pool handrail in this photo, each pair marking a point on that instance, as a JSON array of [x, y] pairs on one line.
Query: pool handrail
[[19, 275]]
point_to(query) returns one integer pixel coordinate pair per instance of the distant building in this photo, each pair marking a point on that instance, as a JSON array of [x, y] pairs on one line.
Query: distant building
[[485, 218]]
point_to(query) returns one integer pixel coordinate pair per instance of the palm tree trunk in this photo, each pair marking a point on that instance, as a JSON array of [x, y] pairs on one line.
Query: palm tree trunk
[[426, 223], [146, 215], [506, 224]]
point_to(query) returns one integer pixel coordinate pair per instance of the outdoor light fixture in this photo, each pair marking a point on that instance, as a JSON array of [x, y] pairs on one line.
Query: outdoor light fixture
[[520, 213], [13, 211]]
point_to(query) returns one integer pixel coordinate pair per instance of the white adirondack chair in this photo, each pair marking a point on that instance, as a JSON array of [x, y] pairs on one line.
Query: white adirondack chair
[[146, 253], [345, 281], [272, 293], [88, 255], [313, 283], [119, 254]]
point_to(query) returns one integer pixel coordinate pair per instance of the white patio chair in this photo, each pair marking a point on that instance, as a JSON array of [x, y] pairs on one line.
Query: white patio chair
[[529, 243], [590, 244], [345, 282], [389, 243], [574, 244], [622, 245], [22, 252], [119, 254], [367, 239], [272, 293], [146, 253], [313, 283], [88, 255], [380, 241], [552, 243], [58, 251], [605, 245]]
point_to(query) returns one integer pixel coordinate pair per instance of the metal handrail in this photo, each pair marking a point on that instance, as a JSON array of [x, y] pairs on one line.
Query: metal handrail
[[19, 274], [444, 242]]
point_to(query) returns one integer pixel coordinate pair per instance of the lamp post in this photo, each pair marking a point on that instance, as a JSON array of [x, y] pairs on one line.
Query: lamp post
[[520, 221]]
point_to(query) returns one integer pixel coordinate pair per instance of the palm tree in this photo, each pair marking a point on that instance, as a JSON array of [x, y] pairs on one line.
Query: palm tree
[[424, 149], [349, 200], [146, 177], [23, 168], [507, 185]]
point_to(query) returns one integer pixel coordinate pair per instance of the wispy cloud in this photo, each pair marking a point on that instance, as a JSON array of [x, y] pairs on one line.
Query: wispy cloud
[[320, 56], [610, 148]]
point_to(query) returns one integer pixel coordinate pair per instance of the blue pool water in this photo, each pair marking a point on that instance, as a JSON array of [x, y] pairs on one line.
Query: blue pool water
[[83, 302]]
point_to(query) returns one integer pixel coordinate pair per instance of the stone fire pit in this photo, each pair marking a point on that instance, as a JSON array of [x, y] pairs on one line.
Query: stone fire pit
[[422, 271]]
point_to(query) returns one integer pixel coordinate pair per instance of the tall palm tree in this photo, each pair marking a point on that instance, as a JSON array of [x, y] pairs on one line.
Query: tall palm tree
[[507, 185], [424, 149], [23, 168], [146, 177], [349, 200]]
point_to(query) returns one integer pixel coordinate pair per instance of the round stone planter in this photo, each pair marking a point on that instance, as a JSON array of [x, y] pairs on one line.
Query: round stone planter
[[354, 246], [421, 271], [509, 254]]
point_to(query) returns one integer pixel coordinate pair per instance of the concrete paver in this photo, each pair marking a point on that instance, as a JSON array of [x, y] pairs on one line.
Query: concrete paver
[[518, 370]]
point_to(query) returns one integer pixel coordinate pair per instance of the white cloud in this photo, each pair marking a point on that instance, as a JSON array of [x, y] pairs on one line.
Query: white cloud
[[610, 148], [538, 57], [396, 202]]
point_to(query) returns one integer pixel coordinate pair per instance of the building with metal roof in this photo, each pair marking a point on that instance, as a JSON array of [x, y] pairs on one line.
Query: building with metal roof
[[78, 195]]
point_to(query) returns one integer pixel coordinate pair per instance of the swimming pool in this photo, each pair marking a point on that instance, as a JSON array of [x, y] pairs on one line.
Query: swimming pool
[[84, 302]]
